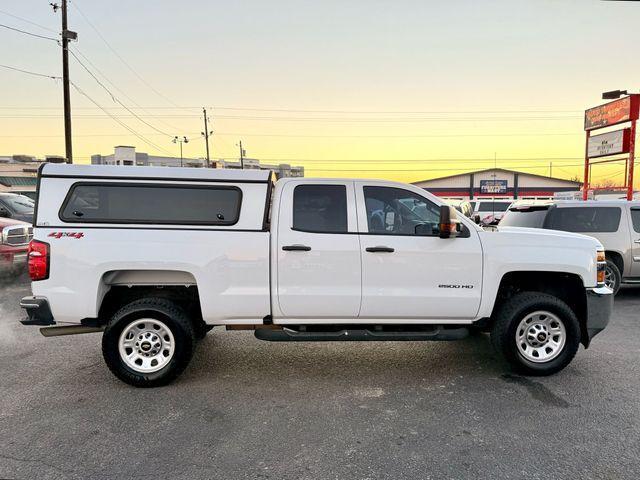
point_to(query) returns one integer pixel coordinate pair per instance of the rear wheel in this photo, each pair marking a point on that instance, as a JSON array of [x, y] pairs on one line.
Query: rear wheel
[[537, 333], [149, 342], [612, 276]]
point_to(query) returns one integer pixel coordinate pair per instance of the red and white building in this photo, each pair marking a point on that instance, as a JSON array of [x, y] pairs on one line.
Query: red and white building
[[498, 183]]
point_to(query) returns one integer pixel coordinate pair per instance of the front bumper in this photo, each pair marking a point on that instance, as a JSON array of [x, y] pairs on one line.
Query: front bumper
[[38, 311], [599, 308]]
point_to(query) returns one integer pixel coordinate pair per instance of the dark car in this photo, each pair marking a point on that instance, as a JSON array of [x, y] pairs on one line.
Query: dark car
[[16, 207]]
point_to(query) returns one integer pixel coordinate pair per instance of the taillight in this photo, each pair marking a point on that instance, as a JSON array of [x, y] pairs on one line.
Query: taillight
[[38, 255]]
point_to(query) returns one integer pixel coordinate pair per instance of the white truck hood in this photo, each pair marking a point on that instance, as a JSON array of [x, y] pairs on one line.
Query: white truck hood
[[546, 236]]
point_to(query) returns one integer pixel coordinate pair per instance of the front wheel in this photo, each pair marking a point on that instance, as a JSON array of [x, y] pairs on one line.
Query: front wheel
[[148, 342], [612, 276], [536, 332]]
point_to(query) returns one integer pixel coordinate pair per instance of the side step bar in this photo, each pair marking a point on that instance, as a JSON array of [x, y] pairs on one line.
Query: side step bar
[[68, 330], [359, 335]]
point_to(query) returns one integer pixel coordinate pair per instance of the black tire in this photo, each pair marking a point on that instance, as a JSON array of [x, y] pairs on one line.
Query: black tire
[[613, 272], [508, 318], [170, 315], [202, 329]]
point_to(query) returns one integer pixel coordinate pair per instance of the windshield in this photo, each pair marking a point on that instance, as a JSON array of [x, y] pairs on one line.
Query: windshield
[[493, 206], [19, 203], [525, 217]]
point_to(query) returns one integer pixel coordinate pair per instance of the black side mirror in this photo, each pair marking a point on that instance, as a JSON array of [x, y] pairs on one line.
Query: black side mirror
[[4, 213], [449, 223]]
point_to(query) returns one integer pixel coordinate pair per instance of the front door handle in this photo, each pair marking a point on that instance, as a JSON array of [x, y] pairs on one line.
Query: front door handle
[[637, 241], [296, 248], [380, 249]]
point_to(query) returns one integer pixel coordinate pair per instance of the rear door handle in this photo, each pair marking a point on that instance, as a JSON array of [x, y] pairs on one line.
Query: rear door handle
[[296, 248], [380, 249], [637, 241]]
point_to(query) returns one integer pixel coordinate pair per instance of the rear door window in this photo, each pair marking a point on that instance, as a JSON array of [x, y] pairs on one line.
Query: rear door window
[[584, 219], [155, 204], [635, 219], [320, 208]]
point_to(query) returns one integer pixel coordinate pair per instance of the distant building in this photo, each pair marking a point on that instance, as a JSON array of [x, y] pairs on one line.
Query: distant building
[[126, 155], [498, 183], [18, 173], [282, 170]]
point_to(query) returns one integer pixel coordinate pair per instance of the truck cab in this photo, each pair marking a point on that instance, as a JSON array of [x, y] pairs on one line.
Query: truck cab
[[156, 257]]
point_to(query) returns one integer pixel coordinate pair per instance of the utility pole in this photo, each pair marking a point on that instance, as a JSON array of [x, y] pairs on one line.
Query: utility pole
[[241, 156], [66, 36], [550, 169], [206, 134]]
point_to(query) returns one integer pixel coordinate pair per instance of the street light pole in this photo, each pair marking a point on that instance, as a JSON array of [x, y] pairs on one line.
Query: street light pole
[[179, 140], [241, 156]]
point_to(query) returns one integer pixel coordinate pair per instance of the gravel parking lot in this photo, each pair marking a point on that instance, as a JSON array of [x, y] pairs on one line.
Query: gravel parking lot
[[251, 409]]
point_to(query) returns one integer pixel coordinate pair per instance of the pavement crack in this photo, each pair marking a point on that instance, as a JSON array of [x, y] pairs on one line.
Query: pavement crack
[[537, 390], [36, 461]]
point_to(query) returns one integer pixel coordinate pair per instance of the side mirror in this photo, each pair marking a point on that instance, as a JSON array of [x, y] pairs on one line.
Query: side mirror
[[449, 223], [4, 213]]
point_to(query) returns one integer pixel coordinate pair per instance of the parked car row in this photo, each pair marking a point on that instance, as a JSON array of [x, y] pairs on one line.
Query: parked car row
[[615, 223], [483, 212]]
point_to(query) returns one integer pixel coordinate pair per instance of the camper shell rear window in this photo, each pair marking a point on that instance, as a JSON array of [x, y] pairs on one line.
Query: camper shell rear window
[[151, 204]]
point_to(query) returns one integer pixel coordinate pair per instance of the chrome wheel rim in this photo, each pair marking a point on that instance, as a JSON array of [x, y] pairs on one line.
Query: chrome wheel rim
[[146, 345], [541, 336], [609, 278]]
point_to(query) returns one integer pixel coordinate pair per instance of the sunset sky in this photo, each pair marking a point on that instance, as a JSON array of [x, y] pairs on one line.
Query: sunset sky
[[405, 90]]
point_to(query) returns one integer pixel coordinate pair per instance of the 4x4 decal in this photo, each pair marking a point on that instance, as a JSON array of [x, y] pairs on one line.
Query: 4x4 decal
[[66, 234]]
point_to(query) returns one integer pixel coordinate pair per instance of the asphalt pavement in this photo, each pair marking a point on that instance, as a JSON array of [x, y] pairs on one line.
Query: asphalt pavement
[[247, 409]]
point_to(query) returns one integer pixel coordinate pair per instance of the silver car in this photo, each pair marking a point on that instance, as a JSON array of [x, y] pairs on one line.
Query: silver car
[[615, 223]]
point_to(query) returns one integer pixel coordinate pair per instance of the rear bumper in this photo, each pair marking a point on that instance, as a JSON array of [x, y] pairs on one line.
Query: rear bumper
[[38, 311], [599, 308]]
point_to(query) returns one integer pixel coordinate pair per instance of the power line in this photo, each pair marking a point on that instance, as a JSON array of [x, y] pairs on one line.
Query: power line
[[126, 64], [28, 72], [114, 98], [354, 120], [86, 59], [377, 112], [447, 169], [28, 33], [28, 21], [407, 160], [245, 134], [117, 120], [432, 112]]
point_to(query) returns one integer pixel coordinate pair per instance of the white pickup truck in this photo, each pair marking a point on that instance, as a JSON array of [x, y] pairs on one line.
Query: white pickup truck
[[156, 257]]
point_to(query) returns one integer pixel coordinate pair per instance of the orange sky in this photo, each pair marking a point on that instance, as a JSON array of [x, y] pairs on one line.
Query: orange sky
[[400, 90]]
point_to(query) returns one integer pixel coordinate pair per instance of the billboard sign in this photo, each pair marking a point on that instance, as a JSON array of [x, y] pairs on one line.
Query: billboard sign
[[610, 143], [612, 113], [493, 186]]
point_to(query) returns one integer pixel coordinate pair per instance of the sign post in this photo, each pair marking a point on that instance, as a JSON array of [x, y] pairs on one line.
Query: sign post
[[611, 143]]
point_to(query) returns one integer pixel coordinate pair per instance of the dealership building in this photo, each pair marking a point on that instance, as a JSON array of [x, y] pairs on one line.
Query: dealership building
[[498, 183]]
